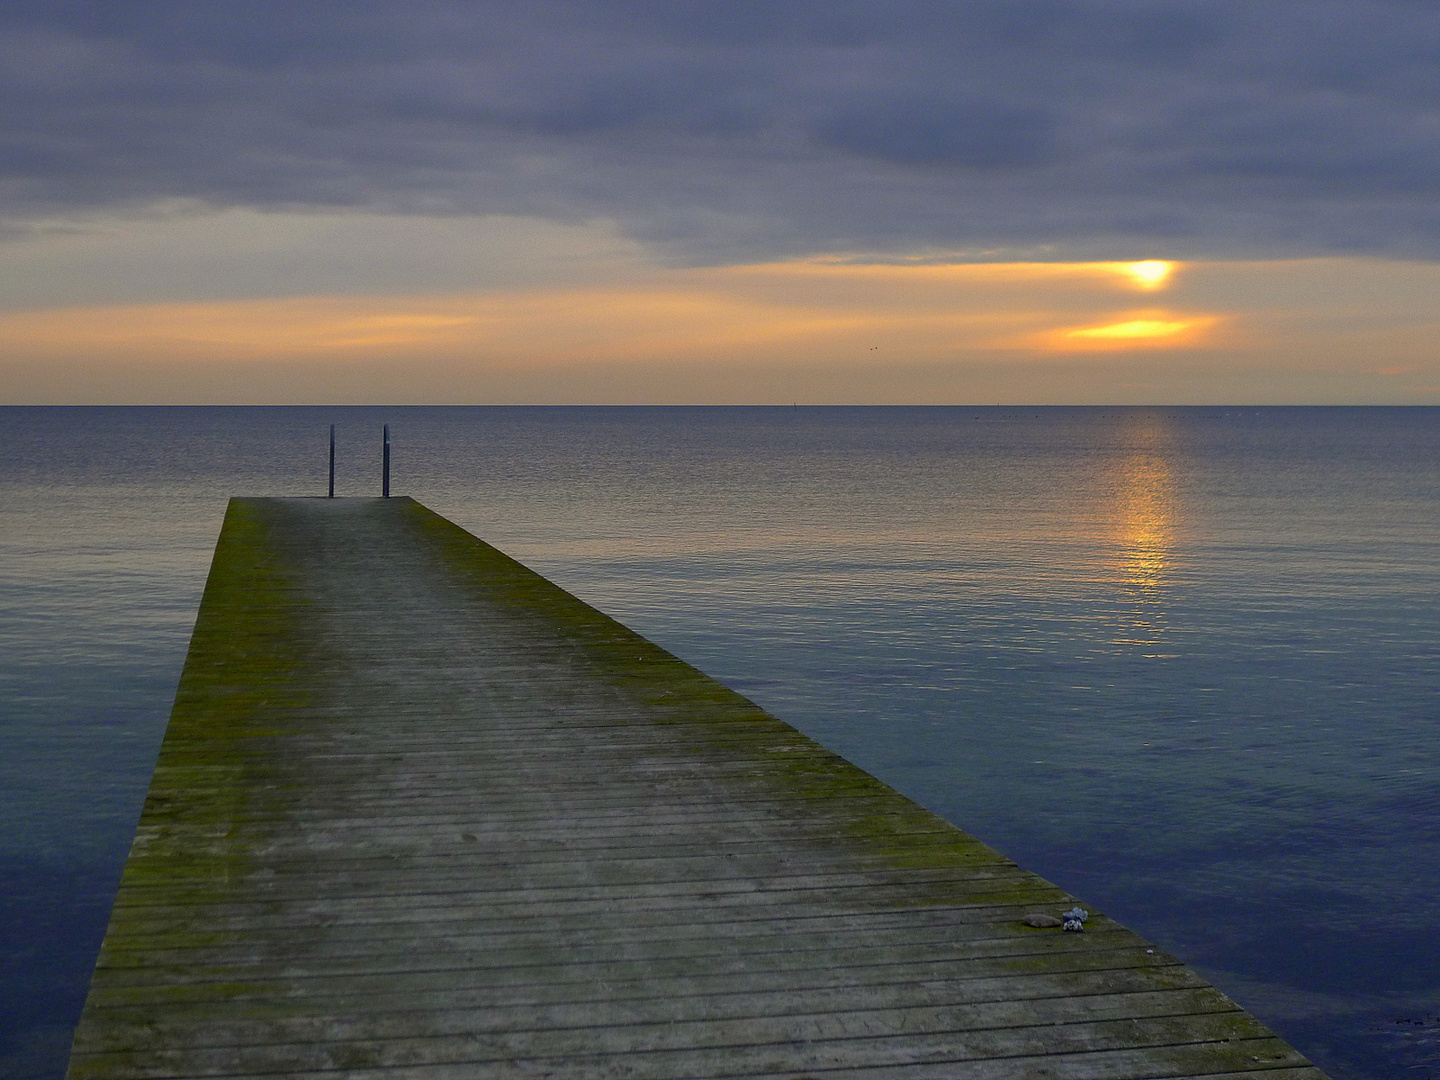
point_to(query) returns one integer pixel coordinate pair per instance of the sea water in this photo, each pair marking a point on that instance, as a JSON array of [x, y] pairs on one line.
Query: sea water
[[1182, 662]]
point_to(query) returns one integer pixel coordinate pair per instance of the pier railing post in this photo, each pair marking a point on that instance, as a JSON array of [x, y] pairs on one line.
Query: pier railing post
[[385, 467], [332, 461]]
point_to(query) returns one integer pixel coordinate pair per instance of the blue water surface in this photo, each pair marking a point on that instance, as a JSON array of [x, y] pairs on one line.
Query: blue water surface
[[1183, 662]]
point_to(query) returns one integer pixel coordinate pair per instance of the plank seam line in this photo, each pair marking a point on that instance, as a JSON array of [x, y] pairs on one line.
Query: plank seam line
[[1248, 1069], [588, 937], [855, 880], [754, 940], [463, 853], [637, 927]]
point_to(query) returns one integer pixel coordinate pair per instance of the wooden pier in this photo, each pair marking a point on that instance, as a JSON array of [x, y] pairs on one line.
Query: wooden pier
[[420, 813]]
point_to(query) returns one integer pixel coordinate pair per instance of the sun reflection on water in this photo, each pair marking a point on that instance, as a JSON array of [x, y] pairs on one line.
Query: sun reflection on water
[[1145, 539]]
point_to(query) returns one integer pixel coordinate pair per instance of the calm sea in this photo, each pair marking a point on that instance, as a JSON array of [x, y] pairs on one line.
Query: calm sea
[[1183, 662]]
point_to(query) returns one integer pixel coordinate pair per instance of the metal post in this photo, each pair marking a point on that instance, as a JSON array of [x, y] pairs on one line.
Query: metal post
[[332, 461], [385, 472]]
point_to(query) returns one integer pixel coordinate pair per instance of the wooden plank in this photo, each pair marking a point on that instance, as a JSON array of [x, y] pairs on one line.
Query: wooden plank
[[419, 812]]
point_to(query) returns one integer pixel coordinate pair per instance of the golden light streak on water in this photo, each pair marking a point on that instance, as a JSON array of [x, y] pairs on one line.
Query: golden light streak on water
[[1146, 517]]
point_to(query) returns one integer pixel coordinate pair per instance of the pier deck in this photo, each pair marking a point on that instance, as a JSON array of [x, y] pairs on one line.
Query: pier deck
[[420, 813]]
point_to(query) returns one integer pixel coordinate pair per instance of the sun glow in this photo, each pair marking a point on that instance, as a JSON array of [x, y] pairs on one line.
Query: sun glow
[[1134, 328], [1150, 273], [1141, 329]]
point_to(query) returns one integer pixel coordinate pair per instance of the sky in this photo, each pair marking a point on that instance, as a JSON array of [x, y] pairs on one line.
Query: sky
[[747, 201]]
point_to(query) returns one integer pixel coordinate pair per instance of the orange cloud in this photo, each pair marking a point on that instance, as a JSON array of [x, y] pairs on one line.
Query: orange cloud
[[1136, 329], [553, 325], [805, 311], [260, 328], [841, 329], [1147, 274]]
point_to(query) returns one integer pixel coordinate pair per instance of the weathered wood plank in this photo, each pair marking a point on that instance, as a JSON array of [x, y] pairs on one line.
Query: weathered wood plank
[[420, 812], [689, 997], [656, 982]]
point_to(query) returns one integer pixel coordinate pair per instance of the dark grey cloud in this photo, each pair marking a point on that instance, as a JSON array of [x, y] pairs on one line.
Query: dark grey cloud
[[752, 128], [925, 129]]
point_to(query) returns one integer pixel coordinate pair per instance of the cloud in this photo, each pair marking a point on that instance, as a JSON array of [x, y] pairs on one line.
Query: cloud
[[173, 255], [817, 330], [742, 130], [1135, 329], [921, 130], [812, 310]]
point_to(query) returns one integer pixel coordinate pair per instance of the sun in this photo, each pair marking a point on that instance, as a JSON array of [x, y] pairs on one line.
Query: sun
[[1150, 273]]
